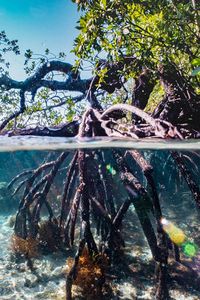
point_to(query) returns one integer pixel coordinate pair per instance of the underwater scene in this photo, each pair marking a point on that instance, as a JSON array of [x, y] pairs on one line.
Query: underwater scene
[[99, 222]]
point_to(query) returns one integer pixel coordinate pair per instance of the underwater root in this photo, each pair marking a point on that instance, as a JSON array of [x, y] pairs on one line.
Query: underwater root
[[49, 236], [46, 241], [90, 197], [90, 277]]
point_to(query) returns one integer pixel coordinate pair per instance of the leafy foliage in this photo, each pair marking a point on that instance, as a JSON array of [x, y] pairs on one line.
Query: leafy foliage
[[120, 39], [42, 107], [151, 32], [6, 45]]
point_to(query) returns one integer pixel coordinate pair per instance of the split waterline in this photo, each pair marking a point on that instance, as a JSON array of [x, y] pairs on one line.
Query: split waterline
[[132, 277], [17, 143]]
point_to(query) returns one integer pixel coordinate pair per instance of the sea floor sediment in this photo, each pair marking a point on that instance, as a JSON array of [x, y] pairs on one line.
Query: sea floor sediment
[[132, 277]]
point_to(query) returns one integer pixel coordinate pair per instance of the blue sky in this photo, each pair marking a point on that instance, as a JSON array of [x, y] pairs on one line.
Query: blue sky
[[39, 24]]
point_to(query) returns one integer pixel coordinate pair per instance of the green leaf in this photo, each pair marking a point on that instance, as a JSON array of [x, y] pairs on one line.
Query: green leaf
[[196, 62], [103, 4]]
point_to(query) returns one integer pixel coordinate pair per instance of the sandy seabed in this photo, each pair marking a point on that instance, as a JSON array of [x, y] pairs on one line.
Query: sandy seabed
[[47, 282]]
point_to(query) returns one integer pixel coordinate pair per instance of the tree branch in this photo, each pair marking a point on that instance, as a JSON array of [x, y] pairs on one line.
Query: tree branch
[[17, 113], [36, 81]]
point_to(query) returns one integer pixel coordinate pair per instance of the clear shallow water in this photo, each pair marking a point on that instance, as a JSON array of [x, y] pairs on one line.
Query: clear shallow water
[[134, 275]]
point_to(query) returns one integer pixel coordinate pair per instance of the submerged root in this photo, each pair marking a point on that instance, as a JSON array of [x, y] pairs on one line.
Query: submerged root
[[47, 241], [49, 236], [88, 195], [90, 274]]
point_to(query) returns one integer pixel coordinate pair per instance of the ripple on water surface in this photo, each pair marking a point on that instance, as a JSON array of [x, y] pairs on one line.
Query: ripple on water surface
[[58, 143]]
